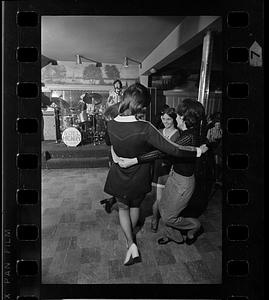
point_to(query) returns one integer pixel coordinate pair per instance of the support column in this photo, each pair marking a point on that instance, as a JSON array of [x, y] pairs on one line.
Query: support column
[[205, 71]]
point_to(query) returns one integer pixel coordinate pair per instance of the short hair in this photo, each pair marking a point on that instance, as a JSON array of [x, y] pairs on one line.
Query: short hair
[[111, 111], [118, 82], [171, 112], [192, 111], [135, 99]]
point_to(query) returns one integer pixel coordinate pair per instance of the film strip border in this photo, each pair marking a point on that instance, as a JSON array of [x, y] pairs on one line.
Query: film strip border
[[24, 241], [242, 181]]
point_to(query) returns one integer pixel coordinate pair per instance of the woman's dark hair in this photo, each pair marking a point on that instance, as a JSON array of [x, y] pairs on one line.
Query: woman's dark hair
[[111, 111], [171, 112], [165, 106], [135, 99], [192, 112], [118, 82]]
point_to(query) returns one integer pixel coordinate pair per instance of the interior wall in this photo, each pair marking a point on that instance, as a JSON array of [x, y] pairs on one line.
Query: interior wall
[[70, 73]]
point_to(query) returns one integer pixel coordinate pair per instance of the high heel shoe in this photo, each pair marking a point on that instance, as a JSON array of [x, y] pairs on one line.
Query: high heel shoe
[[197, 233], [134, 239], [132, 255]]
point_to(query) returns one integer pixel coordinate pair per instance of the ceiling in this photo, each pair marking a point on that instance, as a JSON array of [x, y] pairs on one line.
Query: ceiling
[[190, 63], [107, 39]]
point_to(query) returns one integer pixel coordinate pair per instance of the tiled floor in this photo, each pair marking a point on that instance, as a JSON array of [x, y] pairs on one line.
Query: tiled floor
[[82, 244]]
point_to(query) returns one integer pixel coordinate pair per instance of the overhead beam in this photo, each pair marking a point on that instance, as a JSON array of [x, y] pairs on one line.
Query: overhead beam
[[186, 36]]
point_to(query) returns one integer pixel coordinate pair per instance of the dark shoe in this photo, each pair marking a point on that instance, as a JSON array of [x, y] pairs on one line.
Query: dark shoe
[[103, 201], [166, 240], [108, 204], [184, 231], [190, 241]]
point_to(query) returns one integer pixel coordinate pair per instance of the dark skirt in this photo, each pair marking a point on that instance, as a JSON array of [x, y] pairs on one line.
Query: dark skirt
[[131, 183]]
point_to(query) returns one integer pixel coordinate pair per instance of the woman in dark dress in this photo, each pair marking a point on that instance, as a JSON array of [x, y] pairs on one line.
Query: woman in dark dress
[[132, 137], [181, 181]]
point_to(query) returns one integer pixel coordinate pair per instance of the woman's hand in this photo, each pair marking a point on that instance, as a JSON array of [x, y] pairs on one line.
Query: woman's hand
[[203, 148], [127, 162], [115, 157], [122, 161]]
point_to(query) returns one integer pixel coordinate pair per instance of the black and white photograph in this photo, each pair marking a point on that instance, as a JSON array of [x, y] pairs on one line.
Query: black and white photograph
[[131, 148]]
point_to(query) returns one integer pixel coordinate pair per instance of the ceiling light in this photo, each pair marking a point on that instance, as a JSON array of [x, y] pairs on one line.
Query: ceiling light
[[79, 61], [127, 59], [126, 62], [153, 70]]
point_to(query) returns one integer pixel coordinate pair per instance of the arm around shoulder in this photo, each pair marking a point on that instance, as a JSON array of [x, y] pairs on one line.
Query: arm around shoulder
[[157, 140]]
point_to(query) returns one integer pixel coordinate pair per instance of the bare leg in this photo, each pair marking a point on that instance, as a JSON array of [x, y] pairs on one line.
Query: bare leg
[[134, 214], [126, 225], [132, 255], [155, 217], [155, 210], [159, 190]]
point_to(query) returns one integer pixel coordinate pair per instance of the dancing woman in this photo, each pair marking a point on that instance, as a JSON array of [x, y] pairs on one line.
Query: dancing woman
[[181, 181], [131, 137], [162, 167]]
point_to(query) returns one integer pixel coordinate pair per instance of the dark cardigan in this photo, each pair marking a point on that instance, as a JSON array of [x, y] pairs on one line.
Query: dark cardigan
[[182, 165], [132, 139]]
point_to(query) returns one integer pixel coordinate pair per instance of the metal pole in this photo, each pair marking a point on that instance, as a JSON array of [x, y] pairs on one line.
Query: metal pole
[[205, 71]]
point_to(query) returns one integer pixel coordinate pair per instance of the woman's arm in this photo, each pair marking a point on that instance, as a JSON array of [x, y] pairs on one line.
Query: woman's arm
[[155, 138], [156, 154], [144, 158], [115, 157]]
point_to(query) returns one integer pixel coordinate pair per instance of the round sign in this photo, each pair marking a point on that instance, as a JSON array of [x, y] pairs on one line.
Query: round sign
[[71, 136]]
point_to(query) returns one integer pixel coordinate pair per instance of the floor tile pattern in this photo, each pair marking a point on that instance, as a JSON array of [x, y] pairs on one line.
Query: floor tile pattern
[[82, 244]]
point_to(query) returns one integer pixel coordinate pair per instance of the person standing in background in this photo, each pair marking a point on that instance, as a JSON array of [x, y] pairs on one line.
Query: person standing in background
[[214, 137], [82, 106], [116, 94]]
